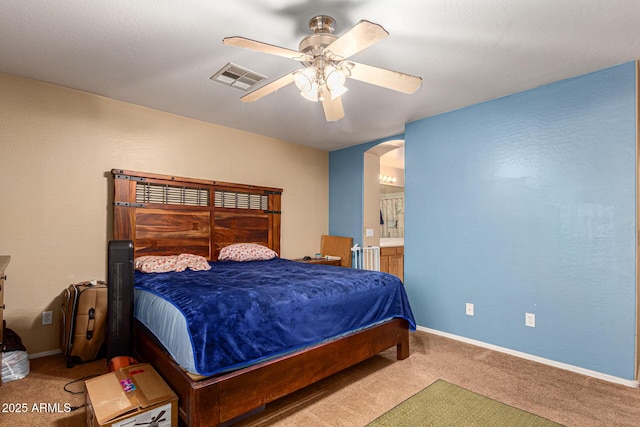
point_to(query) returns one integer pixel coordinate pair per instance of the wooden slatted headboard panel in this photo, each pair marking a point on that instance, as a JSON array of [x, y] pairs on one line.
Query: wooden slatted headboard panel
[[167, 215]]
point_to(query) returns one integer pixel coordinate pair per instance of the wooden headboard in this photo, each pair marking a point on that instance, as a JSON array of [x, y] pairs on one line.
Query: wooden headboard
[[168, 215]]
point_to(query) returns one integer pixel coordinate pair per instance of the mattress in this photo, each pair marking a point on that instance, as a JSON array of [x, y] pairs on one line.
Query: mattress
[[242, 313], [168, 324]]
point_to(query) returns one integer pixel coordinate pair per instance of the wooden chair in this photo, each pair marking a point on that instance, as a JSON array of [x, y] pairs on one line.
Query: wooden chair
[[337, 246]]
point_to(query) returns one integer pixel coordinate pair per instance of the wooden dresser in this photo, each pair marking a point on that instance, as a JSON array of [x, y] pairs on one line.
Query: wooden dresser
[[4, 261]]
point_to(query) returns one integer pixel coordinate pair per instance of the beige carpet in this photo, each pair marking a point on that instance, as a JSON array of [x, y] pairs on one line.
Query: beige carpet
[[443, 404], [359, 395], [42, 394]]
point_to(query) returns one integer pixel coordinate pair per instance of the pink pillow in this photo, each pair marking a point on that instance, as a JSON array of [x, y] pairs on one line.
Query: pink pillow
[[164, 264], [246, 252], [156, 264], [194, 262]]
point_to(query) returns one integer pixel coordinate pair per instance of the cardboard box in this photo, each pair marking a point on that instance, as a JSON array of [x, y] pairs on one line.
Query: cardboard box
[[133, 395]]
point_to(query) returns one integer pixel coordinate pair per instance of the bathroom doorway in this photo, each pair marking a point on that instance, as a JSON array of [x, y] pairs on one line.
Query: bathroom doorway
[[392, 196], [384, 201]]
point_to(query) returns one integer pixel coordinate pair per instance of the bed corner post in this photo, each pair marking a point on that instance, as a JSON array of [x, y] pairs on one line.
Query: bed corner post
[[402, 349], [123, 196], [204, 407], [275, 203]]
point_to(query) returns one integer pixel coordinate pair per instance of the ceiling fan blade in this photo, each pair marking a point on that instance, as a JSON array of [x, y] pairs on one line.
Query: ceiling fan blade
[[266, 48], [359, 37], [269, 88], [394, 80], [333, 110]]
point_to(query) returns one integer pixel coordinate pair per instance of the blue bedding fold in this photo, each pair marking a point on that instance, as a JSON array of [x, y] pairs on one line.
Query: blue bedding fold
[[240, 313]]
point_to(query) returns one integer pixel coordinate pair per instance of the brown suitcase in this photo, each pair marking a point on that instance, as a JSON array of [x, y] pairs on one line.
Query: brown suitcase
[[83, 321]]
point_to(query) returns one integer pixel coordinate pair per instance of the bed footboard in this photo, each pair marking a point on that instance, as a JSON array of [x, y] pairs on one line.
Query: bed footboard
[[214, 400]]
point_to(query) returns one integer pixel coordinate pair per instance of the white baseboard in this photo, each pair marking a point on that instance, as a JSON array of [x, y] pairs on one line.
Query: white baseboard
[[555, 364], [44, 354]]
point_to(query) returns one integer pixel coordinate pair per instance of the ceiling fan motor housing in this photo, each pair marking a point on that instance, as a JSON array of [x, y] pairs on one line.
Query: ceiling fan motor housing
[[322, 24], [314, 44]]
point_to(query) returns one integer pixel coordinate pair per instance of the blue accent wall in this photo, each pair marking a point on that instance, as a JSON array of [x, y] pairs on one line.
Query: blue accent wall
[[525, 203]]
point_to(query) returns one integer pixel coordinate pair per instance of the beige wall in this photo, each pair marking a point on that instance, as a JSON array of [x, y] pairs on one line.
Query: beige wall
[[57, 147], [371, 199]]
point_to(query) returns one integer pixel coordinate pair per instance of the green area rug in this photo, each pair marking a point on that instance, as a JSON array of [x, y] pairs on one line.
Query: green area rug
[[445, 404]]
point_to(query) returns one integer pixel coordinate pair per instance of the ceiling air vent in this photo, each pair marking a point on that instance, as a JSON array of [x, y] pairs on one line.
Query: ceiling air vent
[[236, 76]]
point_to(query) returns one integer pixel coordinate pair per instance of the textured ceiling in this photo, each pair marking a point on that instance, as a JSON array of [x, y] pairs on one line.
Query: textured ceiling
[[161, 54]]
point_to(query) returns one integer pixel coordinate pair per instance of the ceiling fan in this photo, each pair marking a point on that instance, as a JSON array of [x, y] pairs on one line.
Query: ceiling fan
[[324, 56]]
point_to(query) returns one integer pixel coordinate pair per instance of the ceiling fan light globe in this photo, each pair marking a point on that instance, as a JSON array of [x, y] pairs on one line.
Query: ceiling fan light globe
[[334, 77], [312, 93], [338, 91], [305, 79], [335, 80], [309, 96]]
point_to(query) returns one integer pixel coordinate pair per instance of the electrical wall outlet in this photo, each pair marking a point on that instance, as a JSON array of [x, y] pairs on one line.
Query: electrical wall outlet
[[469, 309], [47, 317], [369, 232], [530, 320]]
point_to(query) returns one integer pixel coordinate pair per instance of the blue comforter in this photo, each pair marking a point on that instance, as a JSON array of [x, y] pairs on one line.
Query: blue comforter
[[240, 313]]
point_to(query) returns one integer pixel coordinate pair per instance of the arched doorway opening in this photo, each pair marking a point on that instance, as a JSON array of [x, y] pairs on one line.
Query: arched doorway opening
[[383, 210]]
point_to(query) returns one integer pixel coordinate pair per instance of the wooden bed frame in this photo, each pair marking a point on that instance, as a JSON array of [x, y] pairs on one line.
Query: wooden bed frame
[[165, 215]]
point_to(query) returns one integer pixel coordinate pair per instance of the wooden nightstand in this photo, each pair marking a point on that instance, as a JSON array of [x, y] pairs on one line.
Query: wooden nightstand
[[319, 261]]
